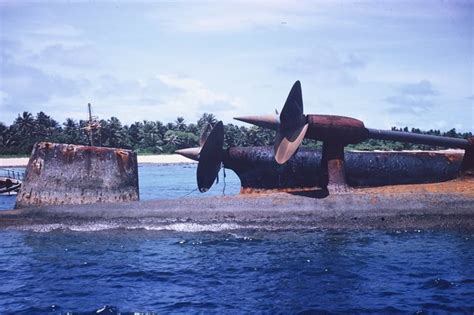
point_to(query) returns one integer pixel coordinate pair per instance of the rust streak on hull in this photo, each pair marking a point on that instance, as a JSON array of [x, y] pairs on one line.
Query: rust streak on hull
[[60, 174], [259, 172]]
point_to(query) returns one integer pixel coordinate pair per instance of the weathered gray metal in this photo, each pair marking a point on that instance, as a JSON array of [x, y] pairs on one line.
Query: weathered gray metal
[[467, 166], [411, 137], [72, 174], [259, 172]]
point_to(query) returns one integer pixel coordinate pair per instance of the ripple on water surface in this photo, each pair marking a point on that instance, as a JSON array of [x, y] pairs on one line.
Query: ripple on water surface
[[172, 267], [236, 270]]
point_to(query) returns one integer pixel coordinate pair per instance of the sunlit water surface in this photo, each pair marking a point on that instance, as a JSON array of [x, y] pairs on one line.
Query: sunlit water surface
[[221, 269]]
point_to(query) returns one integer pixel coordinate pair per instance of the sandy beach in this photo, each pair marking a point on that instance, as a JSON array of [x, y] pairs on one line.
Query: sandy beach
[[149, 159]]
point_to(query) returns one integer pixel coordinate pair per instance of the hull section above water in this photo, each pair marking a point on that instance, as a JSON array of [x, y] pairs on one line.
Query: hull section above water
[[258, 171]]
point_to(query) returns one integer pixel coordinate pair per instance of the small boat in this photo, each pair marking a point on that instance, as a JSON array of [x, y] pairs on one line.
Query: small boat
[[9, 185]]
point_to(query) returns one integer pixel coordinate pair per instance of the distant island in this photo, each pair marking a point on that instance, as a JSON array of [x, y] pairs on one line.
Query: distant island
[[156, 137]]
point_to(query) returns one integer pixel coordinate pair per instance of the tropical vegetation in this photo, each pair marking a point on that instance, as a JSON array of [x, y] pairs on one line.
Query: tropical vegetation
[[156, 137]]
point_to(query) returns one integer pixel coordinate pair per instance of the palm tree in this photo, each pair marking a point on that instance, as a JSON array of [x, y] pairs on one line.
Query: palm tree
[[206, 119], [235, 136], [46, 127], [71, 132], [112, 133], [152, 138], [25, 122], [3, 134], [180, 124], [135, 134]]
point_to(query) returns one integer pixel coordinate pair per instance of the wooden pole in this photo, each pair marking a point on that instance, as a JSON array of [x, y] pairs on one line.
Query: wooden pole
[[90, 125]]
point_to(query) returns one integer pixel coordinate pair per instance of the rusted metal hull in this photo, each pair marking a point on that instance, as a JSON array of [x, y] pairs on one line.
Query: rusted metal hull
[[446, 205], [60, 174], [258, 170]]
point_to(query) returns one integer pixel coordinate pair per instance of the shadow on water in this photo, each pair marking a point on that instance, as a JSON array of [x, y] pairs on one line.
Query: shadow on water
[[316, 193]]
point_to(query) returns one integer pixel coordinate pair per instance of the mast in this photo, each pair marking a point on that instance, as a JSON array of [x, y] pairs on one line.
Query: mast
[[92, 124], [91, 130]]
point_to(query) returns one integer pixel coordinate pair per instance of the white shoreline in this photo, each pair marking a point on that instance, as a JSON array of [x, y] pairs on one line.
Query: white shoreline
[[142, 159], [164, 159]]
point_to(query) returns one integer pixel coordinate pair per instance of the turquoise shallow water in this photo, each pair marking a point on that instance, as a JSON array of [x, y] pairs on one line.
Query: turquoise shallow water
[[189, 268], [165, 181]]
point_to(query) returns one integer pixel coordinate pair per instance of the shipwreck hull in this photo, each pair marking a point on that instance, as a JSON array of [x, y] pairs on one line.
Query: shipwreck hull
[[440, 206], [59, 174], [258, 171]]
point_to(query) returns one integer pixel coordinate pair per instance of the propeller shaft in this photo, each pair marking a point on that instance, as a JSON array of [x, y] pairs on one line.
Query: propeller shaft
[[411, 137], [265, 121]]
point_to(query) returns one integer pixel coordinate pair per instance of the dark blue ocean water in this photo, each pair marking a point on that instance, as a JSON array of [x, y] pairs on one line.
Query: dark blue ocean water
[[189, 268]]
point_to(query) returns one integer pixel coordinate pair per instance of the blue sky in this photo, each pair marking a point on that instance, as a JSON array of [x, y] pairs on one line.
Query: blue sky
[[386, 63]]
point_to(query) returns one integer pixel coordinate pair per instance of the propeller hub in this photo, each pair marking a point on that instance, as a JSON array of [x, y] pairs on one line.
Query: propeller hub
[[336, 129]]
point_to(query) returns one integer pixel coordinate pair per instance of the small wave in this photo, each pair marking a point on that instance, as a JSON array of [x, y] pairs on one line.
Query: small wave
[[190, 227], [160, 224], [91, 227], [194, 227]]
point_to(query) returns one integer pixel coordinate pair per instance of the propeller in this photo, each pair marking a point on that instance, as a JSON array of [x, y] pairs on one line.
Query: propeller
[[193, 153], [293, 126], [204, 134], [210, 158]]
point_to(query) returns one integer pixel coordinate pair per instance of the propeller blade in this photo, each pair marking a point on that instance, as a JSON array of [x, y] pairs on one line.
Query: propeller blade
[[210, 158], [193, 153], [204, 134], [293, 126], [286, 143], [292, 113]]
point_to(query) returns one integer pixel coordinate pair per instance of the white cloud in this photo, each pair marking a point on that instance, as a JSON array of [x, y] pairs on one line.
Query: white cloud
[[233, 16], [195, 97], [56, 31], [3, 97], [422, 88], [413, 98], [37, 36], [161, 97], [326, 66], [28, 85], [73, 56], [227, 48], [219, 17]]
